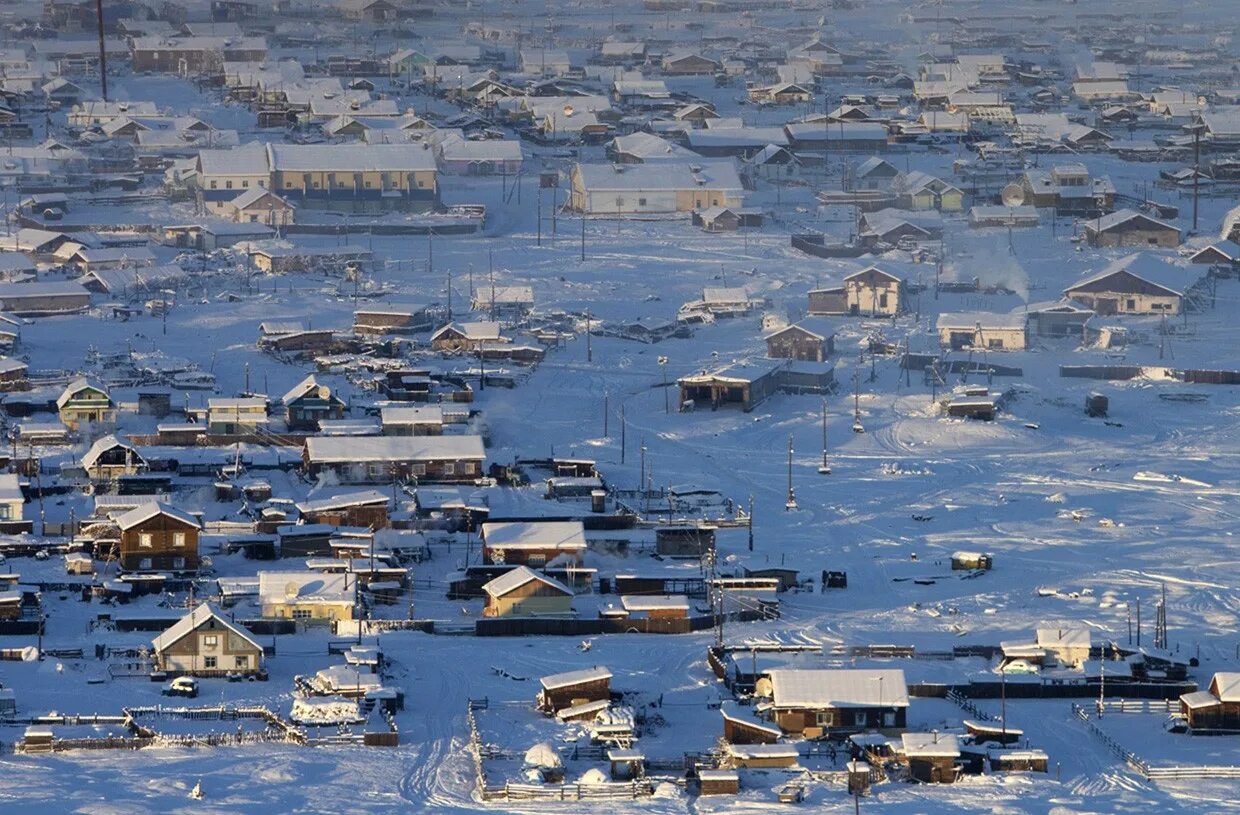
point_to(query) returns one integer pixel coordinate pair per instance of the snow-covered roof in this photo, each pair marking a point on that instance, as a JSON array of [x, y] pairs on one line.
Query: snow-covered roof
[[564, 536], [277, 588], [192, 621], [1151, 269], [145, 512], [654, 602], [1064, 638], [347, 499], [1122, 216], [930, 745], [1227, 684], [294, 158], [344, 449], [516, 578], [579, 677], [987, 320], [813, 688]]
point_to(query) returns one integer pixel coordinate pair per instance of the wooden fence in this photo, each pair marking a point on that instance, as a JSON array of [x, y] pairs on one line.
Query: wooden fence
[[1172, 773], [611, 791]]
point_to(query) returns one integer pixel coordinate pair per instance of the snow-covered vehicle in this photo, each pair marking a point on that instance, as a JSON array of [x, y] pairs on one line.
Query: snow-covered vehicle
[[185, 686]]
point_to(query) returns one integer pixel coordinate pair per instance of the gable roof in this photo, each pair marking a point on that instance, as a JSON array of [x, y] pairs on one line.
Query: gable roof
[[565, 536], [514, 579], [190, 622], [145, 512], [835, 688], [1148, 268], [579, 677]]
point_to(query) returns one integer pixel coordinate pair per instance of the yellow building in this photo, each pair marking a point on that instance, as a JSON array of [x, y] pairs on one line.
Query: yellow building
[[307, 596]]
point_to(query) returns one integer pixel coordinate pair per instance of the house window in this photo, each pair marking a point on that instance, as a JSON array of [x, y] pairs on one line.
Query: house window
[[210, 641], [417, 469], [6, 512], [1132, 304], [301, 614], [825, 718], [449, 468], [241, 662], [146, 540], [178, 538], [994, 343], [228, 185], [641, 202], [208, 662], [536, 560], [245, 183], [368, 185], [859, 718], [214, 184]]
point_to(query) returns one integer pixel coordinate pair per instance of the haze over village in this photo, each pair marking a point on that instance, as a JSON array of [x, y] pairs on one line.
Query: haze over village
[[661, 406]]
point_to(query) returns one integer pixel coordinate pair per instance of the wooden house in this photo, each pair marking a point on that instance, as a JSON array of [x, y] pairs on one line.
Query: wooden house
[[564, 690], [718, 782], [1216, 708], [1219, 253], [806, 340], [689, 64], [43, 299], [259, 206], [533, 543], [83, 401], [367, 509], [933, 758], [1009, 761], [815, 702], [1064, 318], [203, 643], [382, 459], [689, 541], [109, 458], [1127, 227], [229, 416], [874, 174], [309, 402], [763, 756], [465, 336], [656, 606], [423, 420], [304, 540], [983, 330], [158, 537], [1137, 284], [522, 592], [741, 726], [744, 385], [391, 319], [1067, 645]]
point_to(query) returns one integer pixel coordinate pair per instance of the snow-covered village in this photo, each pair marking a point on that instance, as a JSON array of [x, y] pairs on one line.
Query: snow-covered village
[[661, 406]]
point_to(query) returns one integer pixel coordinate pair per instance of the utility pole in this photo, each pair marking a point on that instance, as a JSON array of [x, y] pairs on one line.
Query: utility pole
[[750, 524], [791, 503], [1196, 169], [622, 433], [583, 233], [825, 467], [589, 343]]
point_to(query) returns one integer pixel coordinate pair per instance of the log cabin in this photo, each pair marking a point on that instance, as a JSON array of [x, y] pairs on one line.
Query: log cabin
[[158, 537]]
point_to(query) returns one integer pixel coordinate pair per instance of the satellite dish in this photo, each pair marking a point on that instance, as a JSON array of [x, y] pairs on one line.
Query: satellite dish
[[1013, 195]]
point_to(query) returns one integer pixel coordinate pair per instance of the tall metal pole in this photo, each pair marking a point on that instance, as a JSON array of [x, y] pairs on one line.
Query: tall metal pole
[[103, 56], [791, 503], [1196, 169], [825, 467]]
